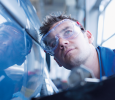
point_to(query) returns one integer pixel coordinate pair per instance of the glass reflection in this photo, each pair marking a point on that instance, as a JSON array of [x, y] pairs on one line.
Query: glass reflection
[[22, 61], [14, 46]]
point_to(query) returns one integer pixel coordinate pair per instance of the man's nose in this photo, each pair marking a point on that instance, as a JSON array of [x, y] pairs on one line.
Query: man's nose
[[63, 43], [3, 43]]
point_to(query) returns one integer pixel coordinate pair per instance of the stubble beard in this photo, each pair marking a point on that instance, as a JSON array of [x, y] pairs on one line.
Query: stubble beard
[[74, 61], [77, 60]]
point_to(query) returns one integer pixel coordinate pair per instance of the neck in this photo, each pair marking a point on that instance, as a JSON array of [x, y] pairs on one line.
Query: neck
[[93, 62]]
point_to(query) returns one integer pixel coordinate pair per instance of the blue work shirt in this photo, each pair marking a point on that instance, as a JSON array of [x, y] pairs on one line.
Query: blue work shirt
[[106, 60]]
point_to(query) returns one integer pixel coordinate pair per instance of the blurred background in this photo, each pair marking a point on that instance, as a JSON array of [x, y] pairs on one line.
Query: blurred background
[[97, 16], [25, 69]]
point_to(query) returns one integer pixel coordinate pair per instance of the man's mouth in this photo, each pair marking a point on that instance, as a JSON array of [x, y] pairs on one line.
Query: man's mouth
[[67, 51]]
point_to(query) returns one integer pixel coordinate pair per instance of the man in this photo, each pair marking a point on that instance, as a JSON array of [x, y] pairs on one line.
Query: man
[[12, 45], [71, 45], [12, 51]]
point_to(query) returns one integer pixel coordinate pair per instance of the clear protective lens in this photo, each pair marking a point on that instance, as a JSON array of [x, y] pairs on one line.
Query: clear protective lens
[[66, 29]]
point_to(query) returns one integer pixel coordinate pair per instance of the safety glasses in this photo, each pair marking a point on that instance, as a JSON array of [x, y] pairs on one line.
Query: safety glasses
[[66, 29]]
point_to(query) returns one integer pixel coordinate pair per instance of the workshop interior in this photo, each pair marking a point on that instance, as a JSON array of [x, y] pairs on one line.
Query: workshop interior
[[28, 73]]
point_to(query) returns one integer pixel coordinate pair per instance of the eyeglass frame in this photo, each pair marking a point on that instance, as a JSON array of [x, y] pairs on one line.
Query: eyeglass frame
[[51, 52]]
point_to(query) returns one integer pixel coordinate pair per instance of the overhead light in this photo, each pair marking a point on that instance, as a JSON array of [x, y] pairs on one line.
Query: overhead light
[[70, 2], [101, 8], [103, 4]]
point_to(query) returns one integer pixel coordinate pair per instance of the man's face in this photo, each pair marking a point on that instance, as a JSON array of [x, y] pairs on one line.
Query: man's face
[[72, 52], [12, 47], [5, 46]]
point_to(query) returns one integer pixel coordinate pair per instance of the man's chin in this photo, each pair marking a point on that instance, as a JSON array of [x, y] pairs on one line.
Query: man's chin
[[21, 61], [69, 67], [72, 63]]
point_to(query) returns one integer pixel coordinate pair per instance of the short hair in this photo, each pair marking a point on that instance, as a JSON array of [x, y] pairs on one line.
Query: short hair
[[51, 19]]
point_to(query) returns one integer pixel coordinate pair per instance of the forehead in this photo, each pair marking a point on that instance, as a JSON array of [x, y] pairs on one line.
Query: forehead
[[59, 27], [64, 24]]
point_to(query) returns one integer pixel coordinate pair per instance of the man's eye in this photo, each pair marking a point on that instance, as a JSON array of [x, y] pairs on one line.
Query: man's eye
[[68, 32], [3, 36]]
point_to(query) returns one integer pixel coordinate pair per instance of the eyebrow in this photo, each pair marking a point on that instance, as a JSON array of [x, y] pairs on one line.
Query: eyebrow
[[59, 32], [64, 29], [4, 33]]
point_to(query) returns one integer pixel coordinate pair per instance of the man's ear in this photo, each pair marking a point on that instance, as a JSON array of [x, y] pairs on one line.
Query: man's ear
[[58, 62], [90, 37]]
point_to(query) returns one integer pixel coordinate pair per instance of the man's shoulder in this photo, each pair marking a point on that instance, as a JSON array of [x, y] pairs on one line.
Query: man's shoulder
[[107, 61], [106, 49]]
